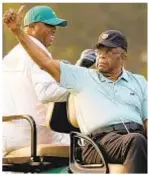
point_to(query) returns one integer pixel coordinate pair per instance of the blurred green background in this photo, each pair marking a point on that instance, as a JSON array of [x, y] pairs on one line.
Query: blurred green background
[[86, 22]]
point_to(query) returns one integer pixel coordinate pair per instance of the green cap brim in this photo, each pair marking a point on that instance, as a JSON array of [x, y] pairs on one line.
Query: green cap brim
[[56, 22]]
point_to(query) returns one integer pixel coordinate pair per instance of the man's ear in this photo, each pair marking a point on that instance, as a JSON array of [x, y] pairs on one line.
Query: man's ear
[[124, 56], [31, 26]]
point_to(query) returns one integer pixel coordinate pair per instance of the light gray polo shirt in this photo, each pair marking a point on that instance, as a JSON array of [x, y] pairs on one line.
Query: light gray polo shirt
[[101, 102]]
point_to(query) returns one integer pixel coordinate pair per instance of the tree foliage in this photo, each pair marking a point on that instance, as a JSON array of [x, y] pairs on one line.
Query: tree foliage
[[86, 22]]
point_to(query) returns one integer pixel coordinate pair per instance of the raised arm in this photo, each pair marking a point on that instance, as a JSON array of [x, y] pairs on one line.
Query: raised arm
[[13, 20]]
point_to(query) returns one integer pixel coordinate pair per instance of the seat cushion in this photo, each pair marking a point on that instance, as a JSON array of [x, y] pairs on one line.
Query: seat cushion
[[97, 168], [22, 155], [116, 168]]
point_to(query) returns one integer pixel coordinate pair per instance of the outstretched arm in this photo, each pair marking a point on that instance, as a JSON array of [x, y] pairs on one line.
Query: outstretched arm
[[13, 21]]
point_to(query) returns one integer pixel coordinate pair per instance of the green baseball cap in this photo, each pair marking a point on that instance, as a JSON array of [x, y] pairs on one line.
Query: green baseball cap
[[45, 15]]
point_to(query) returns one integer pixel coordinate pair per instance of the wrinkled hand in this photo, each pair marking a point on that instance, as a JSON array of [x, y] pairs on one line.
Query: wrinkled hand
[[13, 19], [87, 58]]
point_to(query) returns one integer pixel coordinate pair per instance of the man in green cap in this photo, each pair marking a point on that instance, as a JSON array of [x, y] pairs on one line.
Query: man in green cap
[[41, 22], [31, 86]]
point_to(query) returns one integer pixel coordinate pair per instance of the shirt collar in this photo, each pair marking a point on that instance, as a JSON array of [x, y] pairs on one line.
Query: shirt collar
[[103, 79], [124, 76]]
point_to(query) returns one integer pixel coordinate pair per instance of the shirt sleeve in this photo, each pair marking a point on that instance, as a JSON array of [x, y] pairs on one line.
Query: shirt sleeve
[[145, 99], [72, 77], [47, 89]]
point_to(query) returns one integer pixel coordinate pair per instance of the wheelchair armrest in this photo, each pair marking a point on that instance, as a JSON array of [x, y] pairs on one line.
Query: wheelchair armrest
[[78, 168], [33, 131]]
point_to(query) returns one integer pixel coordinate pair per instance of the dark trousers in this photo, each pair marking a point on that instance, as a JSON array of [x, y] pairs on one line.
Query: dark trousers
[[120, 148]]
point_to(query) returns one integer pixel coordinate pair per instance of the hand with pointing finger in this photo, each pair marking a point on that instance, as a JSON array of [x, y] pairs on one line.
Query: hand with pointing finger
[[13, 19]]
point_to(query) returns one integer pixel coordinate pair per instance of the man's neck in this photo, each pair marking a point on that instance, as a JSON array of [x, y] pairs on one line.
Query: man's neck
[[113, 75], [35, 37]]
